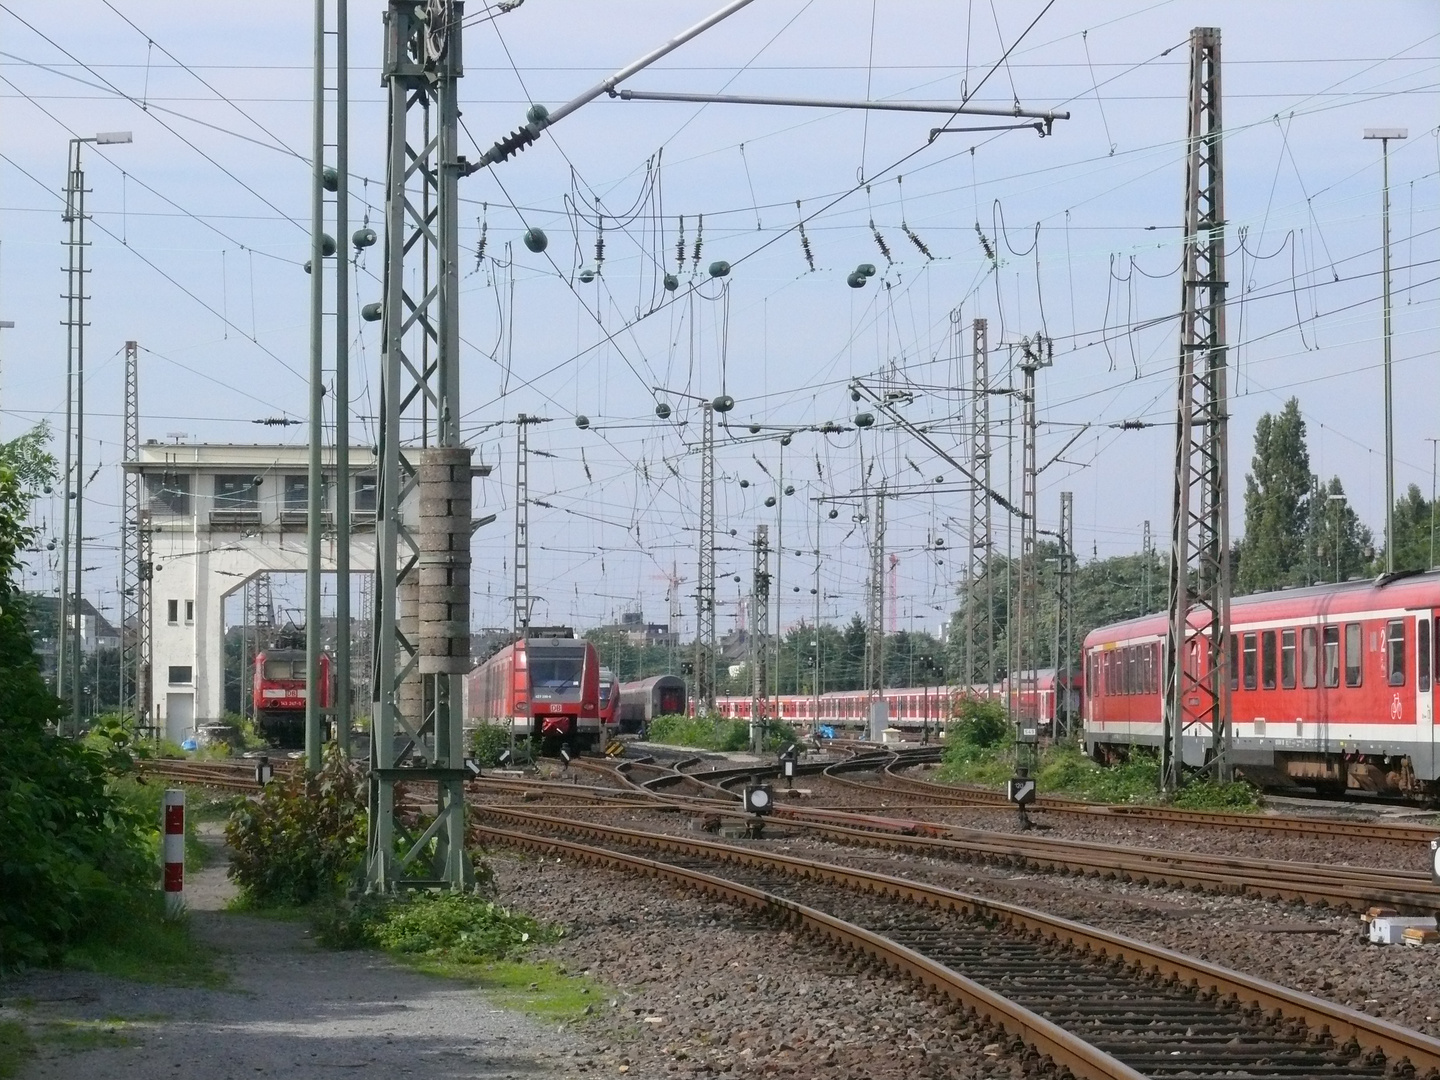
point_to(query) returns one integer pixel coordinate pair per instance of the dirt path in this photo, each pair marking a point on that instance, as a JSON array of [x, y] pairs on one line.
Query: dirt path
[[289, 1010]]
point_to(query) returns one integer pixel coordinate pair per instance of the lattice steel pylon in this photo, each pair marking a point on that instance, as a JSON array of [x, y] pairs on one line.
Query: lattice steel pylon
[[1197, 684], [129, 537], [875, 604], [522, 524], [705, 643], [144, 578], [980, 604], [1065, 607], [759, 638], [423, 524]]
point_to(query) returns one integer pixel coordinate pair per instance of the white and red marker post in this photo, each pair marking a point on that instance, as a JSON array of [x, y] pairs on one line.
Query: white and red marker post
[[172, 850]]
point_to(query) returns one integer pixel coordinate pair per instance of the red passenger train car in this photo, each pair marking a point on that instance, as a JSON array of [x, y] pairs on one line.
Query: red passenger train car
[[278, 695], [1331, 686], [609, 700], [541, 685]]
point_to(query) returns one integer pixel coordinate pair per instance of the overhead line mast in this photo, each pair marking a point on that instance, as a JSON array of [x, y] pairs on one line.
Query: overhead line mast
[[1197, 676]]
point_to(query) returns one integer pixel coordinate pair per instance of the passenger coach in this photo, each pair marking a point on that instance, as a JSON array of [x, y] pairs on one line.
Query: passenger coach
[[547, 686], [1331, 686]]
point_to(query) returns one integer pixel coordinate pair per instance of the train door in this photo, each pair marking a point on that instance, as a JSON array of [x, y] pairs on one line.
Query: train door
[[1425, 689]]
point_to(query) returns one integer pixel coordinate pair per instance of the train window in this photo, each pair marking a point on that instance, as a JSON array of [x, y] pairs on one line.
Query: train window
[[284, 669], [1331, 646], [1309, 657], [1354, 654], [1395, 652], [1267, 660], [297, 492], [1234, 661], [1156, 666], [1287, 659], [1422, 653], [1250, 658]]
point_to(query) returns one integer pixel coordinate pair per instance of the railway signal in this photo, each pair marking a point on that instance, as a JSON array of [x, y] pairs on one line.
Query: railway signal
[[759, 801], [264, 771], [788, 757], [472, 768], [1020, 790], [1435, 861]]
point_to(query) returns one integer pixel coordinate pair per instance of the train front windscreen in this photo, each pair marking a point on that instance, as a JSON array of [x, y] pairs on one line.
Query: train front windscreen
[[555, 674]]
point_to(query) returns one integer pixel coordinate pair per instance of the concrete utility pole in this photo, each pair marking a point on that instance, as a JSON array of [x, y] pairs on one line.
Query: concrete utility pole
[[980, 605], [72, 605], [1197, 677], [129, 536], [1035, 354], [759, 645], [423, 525], [1385, 135], [325, 178]]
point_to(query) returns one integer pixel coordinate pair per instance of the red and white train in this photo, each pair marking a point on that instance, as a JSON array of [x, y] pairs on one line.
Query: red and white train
[[542, 685], [914, 707], [1331, 686], [277, 688]]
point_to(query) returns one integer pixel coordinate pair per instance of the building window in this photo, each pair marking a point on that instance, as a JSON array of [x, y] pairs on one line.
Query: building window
[[365, 493], [237, 492], [180, 674], [1332, 656], [1422, 654], [1267, 660], [1287, 658], [1395, 652], [189, 612], [1354, 654], [172, 612], [1250, 658], [169, 493], [297, 493]]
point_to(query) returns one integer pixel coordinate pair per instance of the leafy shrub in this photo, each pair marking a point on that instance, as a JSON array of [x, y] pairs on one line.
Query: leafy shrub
[[979, 723], [488, 742], [458, 927], [303, 838], [1212, 795], [710, 732], [73, 857]]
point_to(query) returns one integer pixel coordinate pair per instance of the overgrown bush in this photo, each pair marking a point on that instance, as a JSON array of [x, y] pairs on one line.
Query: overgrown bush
[[711, 732], [488, 742], [457, 927], [303, 838], [73, 857]]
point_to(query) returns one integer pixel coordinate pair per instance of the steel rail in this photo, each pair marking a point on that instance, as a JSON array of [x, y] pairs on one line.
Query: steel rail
[[1342, 1023], [1082, 1059], [1397, 832]]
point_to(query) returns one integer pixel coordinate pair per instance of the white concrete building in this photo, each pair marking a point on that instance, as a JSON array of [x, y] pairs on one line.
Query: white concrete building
[[219, 515]]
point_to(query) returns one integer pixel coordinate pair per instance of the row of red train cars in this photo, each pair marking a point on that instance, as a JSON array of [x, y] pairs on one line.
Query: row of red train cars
[[1332, 686]]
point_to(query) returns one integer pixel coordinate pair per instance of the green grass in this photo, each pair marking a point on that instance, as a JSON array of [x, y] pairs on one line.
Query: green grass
[[80, 1035], [15, 1046], [540, 989], [715, 733], [1065, 770], [145, 798], [148, 948]]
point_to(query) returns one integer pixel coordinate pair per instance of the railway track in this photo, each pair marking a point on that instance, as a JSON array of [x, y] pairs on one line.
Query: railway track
[[1095, 1003], [959, 795], [1355, 888]]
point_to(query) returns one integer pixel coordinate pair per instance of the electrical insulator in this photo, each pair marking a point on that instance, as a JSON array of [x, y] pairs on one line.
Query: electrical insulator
[[662, 411], [536, 240], [364, 238], [582, 422]]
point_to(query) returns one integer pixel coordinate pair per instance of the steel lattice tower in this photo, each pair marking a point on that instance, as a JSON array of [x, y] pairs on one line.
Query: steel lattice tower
[[1065, 608], [875, 603], [1024, 678], [144, 576], [980, 604], [1197, 684], [129, 539], [759, 634], [423, 523], [522, 524], [705, 643]]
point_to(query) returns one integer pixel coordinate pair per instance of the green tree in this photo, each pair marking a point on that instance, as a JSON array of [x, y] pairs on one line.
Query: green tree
[[1278, 492], [1342, 546], [1414, 524]]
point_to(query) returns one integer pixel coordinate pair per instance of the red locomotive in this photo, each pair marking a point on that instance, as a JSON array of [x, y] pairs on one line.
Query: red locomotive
[[1331, 686], [278, 695], [540, 685]]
